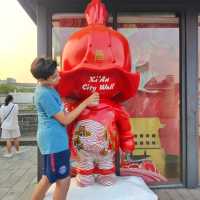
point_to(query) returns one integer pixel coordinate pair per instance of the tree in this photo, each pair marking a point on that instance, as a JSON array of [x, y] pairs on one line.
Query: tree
[[6, 88]]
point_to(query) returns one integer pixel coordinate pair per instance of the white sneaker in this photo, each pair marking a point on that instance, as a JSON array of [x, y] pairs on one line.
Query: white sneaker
[[20, 151], [8, 155]]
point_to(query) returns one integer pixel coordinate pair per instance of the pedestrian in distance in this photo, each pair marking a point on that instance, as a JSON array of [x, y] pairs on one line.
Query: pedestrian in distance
[[9, 126]]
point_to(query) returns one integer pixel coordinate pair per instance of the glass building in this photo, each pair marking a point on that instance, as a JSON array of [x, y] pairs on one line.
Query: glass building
[[163, 36]]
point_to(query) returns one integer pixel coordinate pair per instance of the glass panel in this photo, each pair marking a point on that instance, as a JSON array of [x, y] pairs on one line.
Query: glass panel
[[154, 111], [63, 26]]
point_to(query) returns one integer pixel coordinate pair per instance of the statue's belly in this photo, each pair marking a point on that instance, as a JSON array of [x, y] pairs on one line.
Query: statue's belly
[[90, 135]]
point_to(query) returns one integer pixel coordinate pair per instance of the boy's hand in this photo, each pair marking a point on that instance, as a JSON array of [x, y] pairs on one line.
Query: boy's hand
[[93, 99]]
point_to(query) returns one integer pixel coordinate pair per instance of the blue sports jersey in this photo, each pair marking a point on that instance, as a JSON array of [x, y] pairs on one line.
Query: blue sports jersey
[[51, 134]]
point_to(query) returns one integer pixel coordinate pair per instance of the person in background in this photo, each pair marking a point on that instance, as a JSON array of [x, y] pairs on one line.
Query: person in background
[[10, 126], [51, 135]]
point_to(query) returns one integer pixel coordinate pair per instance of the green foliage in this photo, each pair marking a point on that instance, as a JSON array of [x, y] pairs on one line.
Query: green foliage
[[24, 90], [6, 88]]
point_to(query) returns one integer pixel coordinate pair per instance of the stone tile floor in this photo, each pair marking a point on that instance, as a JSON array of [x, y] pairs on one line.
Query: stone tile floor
[[18, 174]]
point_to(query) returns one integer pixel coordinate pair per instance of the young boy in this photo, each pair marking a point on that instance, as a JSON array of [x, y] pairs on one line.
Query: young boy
[[51, 135]]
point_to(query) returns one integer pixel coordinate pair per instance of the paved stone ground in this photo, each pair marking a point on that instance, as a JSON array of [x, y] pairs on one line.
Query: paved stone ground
[[18, 178], [18, 174]]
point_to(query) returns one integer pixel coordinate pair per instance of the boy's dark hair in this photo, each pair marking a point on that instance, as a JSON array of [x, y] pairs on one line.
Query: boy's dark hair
[[8, 99], [42, 68]]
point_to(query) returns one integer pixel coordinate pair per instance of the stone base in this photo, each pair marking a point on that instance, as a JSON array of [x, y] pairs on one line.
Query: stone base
[[126, 188]]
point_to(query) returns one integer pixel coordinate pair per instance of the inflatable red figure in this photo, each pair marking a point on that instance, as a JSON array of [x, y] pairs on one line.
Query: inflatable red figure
[[97, 59]]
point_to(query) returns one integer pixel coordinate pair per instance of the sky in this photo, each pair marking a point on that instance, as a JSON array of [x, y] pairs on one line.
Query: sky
[[18, 42]]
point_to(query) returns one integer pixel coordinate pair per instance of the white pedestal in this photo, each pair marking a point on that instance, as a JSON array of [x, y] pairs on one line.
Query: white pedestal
[[126, 188]]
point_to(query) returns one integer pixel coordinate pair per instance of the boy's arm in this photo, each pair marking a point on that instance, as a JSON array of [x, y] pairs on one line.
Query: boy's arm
[[67, 118]]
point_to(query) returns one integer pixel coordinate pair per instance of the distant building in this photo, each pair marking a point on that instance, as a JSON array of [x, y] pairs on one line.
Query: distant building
[[9, 80], [24, 96]]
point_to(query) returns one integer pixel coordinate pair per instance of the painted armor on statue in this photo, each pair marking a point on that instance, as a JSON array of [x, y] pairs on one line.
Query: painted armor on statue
[[97, 59]]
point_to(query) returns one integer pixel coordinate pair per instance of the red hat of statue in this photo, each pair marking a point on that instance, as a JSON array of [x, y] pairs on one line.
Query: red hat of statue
[[97, 58]]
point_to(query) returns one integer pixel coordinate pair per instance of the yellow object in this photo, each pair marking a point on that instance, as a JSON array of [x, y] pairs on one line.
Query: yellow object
[[99, 55], [147, 140], [146, 132]]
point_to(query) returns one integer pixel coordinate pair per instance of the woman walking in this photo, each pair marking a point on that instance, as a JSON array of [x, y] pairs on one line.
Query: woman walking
[[9, 125]]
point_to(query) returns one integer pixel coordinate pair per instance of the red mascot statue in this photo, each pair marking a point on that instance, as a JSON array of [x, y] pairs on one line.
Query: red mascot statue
[[97, 59]]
